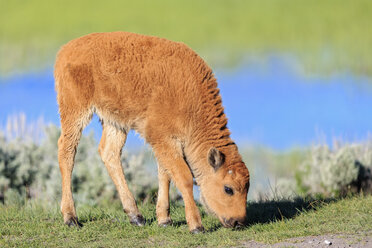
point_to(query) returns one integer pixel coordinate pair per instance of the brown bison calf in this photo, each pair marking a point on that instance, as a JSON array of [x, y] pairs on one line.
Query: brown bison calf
[[168, 94]]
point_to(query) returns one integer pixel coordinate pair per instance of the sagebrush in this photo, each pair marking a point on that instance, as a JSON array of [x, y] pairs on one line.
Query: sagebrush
[[30, 170], [332, 172]]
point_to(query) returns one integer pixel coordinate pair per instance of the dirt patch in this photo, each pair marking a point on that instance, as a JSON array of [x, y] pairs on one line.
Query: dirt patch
[[331, 240]]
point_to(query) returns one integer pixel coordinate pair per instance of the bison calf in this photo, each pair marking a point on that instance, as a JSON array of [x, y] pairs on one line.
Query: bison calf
[[168, 94]]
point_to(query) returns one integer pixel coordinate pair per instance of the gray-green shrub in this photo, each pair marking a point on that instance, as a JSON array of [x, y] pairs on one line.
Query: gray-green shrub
[[30, 169], [332, 172]]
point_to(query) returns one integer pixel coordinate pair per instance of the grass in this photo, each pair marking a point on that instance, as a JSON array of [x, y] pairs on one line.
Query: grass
[[327, 35], [269, 222]]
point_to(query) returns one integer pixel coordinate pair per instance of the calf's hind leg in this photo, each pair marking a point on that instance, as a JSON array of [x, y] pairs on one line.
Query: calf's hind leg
[[71, 128], [162, 205], [110, 146]]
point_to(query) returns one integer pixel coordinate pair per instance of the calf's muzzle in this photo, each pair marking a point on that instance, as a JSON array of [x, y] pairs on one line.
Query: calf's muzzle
[[233, 222]]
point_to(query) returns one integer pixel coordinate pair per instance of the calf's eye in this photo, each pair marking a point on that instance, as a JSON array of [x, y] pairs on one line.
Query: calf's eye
[[228, 190]]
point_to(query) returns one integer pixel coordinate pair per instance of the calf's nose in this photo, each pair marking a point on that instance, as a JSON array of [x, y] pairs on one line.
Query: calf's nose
[[233, 222]]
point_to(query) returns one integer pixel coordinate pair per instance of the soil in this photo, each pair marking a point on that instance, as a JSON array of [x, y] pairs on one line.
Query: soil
[[331, 240]]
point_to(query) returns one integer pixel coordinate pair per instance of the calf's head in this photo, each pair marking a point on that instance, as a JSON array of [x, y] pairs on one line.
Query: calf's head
[[224, 190]]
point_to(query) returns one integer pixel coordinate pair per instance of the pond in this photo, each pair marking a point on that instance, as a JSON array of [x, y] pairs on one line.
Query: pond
[[271, 105]]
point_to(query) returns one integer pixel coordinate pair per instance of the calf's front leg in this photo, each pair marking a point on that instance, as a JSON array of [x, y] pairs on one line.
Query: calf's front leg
[[173, 163]]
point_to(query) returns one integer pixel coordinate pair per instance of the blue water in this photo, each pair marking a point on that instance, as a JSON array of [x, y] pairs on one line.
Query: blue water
[[271, 105]]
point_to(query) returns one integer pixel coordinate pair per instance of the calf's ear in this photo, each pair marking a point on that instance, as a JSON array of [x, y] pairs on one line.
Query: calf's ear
[[215, 158]]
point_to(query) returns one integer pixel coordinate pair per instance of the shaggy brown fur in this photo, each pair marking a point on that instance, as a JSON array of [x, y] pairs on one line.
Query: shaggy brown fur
[[168, 94]]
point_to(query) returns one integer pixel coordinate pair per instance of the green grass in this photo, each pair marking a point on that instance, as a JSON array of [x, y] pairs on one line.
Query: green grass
[[326, 35], [269, 222]]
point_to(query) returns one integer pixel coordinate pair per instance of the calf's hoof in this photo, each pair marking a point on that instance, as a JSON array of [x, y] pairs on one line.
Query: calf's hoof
[[73, 222], [197, 230], [166, 222], [137, 220]]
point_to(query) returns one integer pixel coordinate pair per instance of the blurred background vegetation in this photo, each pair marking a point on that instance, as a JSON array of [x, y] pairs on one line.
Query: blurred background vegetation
[[327, 35], [319, 37]]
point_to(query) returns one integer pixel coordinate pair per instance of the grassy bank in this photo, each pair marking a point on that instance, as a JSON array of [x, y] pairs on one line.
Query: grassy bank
[[327, 35], [269, 222]]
